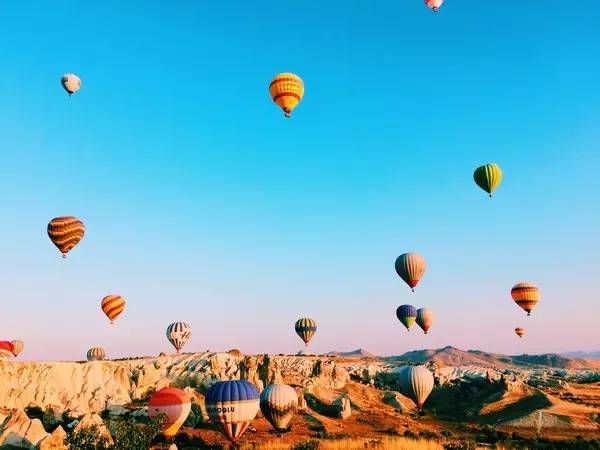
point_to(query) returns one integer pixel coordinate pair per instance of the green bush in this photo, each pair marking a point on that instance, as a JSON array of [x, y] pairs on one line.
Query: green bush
[[466, 445], [88, 438], [307, 445], [131, 436]]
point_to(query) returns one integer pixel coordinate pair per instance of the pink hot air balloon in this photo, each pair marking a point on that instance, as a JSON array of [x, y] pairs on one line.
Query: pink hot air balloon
[[175, 404], [434, 5]]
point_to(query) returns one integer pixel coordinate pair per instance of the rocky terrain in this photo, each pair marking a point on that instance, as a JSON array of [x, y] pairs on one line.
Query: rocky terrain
[[342, 395]]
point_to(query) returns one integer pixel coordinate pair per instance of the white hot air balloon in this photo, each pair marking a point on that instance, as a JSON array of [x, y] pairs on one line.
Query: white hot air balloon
[[434, 5], [178, 334], [278, 403], [416, 383]]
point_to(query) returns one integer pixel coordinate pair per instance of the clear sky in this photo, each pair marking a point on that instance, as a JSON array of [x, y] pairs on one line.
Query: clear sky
[[202, 203]]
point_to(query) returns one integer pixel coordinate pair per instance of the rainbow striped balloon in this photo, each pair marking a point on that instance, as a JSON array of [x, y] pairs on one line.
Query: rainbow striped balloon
[[286, 90], [306, 329], [113, 306], [175, 404], [232, 405], [65, 232]]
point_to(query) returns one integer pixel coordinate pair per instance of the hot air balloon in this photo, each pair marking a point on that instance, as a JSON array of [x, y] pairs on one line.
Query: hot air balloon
[[278, 403], [96, 354], [178, 334], [66, 232], [305, 328], [416, 382], [407, 314], [424, 318], [113, 306], [520, 331], [286, 90], [71, 83], [175, 404], [6, 349], [434, 5], [410, 267], [488, 177], [17, 347], [526, 295], [232, 405]]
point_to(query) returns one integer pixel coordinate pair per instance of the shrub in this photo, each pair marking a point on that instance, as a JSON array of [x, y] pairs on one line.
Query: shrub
[[466, 445], [88, 438], [131, 436], [428, 434], [307, 445]]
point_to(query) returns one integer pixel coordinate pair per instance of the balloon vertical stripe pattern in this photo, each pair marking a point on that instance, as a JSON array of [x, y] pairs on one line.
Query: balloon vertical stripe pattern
[[65, 232], [424, 318], [232, 405], [286, 89], [175, 404], [410, 267], [96, 354], [113, 306], [416, 383], [279, 403], [18, 346], [178, 334], [526, 295], [306, 329], [488, 177]]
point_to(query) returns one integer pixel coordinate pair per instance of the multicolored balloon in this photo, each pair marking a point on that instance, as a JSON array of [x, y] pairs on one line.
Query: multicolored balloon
[[178, 334], [18, 346], [113, 306], [286, 90], [232, 406], [279, 403], [520, 331], [424, 318], [96, 354], [71, 83], [306, 329], [416, 382], [488, 177], [434, 5], [65, 232], [410, 267], [175, 404], [407, 314], [6, 349], [526, 295]]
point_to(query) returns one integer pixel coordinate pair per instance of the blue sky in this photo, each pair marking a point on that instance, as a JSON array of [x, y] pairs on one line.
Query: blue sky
[[202, 203]]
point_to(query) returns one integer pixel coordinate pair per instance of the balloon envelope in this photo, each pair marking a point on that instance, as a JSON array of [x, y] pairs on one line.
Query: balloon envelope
[[232, 405], [305, 328], [113, 306], [175, 404], [407, 314], [434, 5], [488, 177], [279, 403], [96, 354], [65, 232], [6, 349], [178, 334], [18, 346], [416, 383], [520, 331], [424, 318], [286, 89], [410, 267], [526, 295], [70, 82]]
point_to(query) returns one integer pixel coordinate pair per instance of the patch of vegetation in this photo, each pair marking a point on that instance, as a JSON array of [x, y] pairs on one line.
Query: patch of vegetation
[[410, 434], [428, 434], [466, 445], [311, 444], [88, 438]]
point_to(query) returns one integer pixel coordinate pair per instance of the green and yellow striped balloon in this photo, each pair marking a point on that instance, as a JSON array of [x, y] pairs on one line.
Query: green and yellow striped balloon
[[305, 328], [488, 177]]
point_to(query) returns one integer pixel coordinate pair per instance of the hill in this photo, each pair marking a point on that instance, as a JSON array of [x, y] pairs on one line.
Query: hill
[[358, 353]]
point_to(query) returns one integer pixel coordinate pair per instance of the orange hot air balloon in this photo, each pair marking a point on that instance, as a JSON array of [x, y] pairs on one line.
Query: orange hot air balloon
[[520, 331], [175, 404], [286, 90], [66, 232], [526, 295], [113, 306]]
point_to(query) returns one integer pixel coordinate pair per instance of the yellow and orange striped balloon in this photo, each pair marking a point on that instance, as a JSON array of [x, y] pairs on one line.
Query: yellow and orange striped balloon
[[526, 295], [113, 306], [66, 232], [286, 90]]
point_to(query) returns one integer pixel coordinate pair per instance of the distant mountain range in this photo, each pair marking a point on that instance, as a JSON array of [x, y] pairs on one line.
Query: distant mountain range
[[450, 356], [586, 355], [359, 353]]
